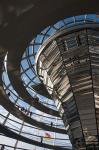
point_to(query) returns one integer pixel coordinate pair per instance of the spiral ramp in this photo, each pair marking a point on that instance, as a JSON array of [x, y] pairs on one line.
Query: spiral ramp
[[49, 75]]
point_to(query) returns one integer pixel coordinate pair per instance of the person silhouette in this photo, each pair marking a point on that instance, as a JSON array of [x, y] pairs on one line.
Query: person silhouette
[[2, 147], [41, 139], [51, 124]]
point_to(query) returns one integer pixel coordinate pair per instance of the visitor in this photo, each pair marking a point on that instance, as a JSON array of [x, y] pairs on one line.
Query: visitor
[[2, 147], [41, 139], [51, 124]]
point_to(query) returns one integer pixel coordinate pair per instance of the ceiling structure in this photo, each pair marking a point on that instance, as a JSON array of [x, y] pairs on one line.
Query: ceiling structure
[[68, 62], [49, 74]]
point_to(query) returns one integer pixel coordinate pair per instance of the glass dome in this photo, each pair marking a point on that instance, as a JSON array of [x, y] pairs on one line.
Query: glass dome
[[34, 114]]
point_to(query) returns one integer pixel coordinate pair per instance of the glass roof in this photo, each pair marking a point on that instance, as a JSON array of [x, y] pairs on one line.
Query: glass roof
[[30, 79]]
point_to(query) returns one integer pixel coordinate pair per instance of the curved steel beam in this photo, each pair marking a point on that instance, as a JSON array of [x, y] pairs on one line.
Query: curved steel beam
[[28, 22], [14, 135], [10, 107]]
